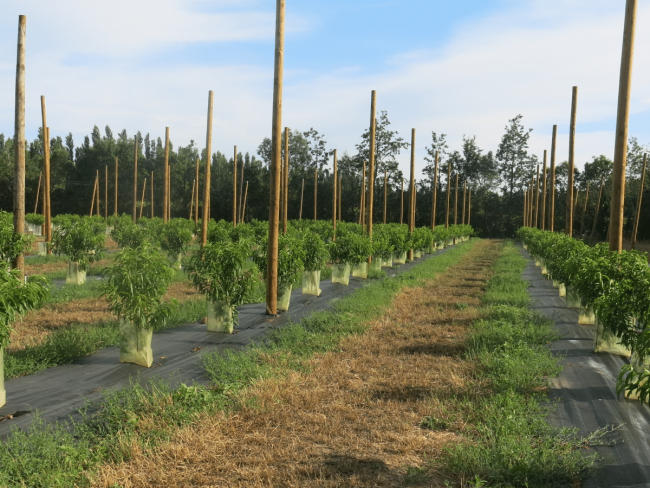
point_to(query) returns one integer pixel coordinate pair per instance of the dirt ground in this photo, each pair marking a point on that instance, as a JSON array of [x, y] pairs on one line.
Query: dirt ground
[[354, 419]]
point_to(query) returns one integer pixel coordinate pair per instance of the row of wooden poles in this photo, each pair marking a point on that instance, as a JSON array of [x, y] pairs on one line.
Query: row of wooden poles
[[279, 179]]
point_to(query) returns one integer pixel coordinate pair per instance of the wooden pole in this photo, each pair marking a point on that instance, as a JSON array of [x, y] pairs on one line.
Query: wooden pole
[[435, 191], [385, 192], [196, 196], [276, 153], [335, 198], [551, 214], [234, 189], [144, 187], [340, 198], [166, 178], [97, 208], [243, 208], [448, 193], [371, 176], [241, 191], [572, 135], [151, 189], [600, 194], [19, 144], [639, 201], [285, 182], [456, 202], [116, 168], [302, 194], [192, 199], [106, 191], [584, 211], [412, 192], [38, 190], [92, 200], [525, 214], [206, 185], [464, 197], [47, 210], [620, 149], [537, 199], [544, 195], [364, 189], [315, 192], [532, 201], [135, 175], [469, 206], [401, 207]]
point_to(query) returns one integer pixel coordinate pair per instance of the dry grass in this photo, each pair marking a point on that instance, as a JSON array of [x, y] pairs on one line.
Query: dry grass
[[353, 420], [37, 325]]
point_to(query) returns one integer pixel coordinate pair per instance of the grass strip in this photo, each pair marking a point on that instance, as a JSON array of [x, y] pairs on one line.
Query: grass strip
[[506, 440], [136, 417], [67, 344]]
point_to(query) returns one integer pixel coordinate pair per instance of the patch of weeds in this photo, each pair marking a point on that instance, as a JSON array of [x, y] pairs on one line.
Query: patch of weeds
[[434, 423], [461, 306], [68, 293], [415, 475]]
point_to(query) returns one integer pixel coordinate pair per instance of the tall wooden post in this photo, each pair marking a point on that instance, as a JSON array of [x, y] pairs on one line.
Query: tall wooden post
[[385, 192], [544, 195], [165, 214], [448, 193], [47, 186], [144, 187], [584, 211], [335, 197], [240, 215], [206, 184], [97, 194], [362, 208], [469, 206], [401, 207], [234, 189], [315, 192], [38, 190], [19, 144], [285, 182], [435, 191], [151, 189], [412, 192], [169, 192], [116, 172], [525, 214], [456, 202], [192, 199], [371, 175], [135, 175], [639, 201], [243, 208], [105, 191], [551, 214], [92, 200], [340, 198], [572, 135], [620, 149], [600, 194], [536, 199], [196, 196], [302, 194], [464, 197], [276, 153]]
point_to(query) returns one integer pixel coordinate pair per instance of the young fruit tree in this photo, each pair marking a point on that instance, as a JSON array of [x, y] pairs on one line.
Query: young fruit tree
[[83, 243], [135, 285], [291, 257], [315, 259], [176, 238]]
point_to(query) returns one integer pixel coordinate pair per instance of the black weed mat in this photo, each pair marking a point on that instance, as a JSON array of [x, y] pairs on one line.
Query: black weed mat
[[57, 393], [585, 393]]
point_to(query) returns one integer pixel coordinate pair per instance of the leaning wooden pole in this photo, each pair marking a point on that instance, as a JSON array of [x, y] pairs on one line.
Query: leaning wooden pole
[[448, 193], [572, 135], [456, 202], [600, 194], [92, 200], [362, 198], [334, 197], [105, 191], [276, 154], [144, 188], [285, 183], [135, 176], [435, 191], [525, 214], [243, 208], [97, 210], [240, 217], [536, 216], [234, 189], [196, 196], [412, 192], [315, 193], [464, 197], [151, 195], [302, 195], [165, 214], [19, 145], [38, 191], [401, 207], [469, 207], [47, 186], [551, 213], [639, 201], [340, 198], [192, 199], [584, 211], [371, 170], [385, 192], [116, 168], [620, 148], [206, 184], [543, 217]]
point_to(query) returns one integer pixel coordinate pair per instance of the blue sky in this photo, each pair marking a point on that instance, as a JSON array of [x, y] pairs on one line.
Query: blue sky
[[460, 68]]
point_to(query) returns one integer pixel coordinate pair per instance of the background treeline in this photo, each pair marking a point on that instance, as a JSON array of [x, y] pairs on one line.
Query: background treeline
[[497, 178]]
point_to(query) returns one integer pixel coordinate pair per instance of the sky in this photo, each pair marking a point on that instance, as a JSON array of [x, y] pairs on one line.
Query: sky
[[462, 68]]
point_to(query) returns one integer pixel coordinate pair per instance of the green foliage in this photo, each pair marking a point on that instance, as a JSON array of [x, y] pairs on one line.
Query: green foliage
[[11, 245], [135, 285], [350, 249], [129, 235], [17, 298], [222, 272], [79, 240], [291, 255], [36, 219], [315, 252], [176, 236]]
